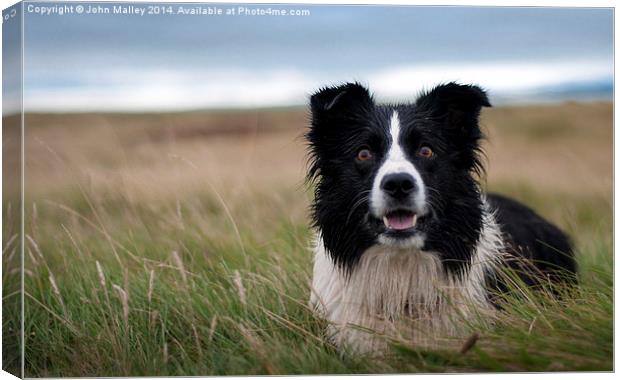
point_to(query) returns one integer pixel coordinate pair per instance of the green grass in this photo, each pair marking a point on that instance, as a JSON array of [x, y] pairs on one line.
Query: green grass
[[115, 288], [178, 244]]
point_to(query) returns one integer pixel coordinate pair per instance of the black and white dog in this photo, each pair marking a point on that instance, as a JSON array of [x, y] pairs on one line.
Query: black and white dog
[[407, 243]]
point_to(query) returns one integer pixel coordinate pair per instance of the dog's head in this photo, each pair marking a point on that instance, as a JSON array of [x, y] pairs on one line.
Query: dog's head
[[397, 175]]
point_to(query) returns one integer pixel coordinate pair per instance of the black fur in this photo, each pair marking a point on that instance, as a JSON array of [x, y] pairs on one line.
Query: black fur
[[341, 116], [538, 249], [346, 119]]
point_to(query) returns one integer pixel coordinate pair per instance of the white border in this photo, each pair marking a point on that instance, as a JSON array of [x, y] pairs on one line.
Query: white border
[[486, 3]]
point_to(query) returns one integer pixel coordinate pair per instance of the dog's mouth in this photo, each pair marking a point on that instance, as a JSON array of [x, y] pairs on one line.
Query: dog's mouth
[[400, 220], [401, 224]]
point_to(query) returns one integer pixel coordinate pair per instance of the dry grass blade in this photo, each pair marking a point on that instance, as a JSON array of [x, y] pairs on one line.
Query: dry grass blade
[[257, 346], [197, 339], [179, 263], [164, 348], [149, 294], [56, 291], [124, 297], [102, 282], [7, 245], [469, 343], [212, 328], [292, 326], [35, 246], [240, 287]]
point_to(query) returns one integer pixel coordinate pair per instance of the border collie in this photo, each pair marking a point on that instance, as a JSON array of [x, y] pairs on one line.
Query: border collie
[[408, 246]]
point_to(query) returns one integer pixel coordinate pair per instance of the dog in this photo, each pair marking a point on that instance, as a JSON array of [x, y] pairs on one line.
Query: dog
[[408, 246]]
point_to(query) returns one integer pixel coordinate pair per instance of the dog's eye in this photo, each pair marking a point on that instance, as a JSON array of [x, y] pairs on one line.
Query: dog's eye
[[364, 154], [425, 152]]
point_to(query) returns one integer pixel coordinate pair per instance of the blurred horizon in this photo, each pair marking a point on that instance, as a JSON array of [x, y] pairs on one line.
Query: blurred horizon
[[173, 62]]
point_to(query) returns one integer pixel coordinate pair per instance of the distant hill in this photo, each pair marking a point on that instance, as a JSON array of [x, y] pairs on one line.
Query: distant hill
[[602, 90]]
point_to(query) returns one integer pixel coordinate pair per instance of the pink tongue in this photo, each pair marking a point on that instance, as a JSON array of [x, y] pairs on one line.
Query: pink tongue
[[401, 222]]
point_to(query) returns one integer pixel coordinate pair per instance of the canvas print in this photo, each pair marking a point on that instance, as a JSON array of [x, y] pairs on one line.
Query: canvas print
[[210, 189]]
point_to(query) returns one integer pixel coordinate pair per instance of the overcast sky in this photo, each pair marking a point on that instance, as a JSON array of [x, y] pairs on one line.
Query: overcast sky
[[156, 62]]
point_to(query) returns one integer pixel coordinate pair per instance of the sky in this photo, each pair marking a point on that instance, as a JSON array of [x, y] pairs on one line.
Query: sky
[[173, 61]]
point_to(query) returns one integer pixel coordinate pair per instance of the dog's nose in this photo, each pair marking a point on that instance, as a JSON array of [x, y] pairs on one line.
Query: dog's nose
[[398, 185]]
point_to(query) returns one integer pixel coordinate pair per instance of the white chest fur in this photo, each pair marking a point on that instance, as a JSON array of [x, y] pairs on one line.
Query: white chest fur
[[402, 294]]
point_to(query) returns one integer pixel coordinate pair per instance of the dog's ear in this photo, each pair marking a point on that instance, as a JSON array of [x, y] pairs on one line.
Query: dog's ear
[[339, 100], [456, 105], [457, 109], [336, 111]]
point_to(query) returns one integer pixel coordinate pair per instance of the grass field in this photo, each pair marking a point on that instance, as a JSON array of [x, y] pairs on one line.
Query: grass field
[[177, 244]]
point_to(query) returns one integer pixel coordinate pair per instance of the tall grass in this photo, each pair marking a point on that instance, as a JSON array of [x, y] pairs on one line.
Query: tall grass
[[139, 292], [175, 268]]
